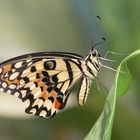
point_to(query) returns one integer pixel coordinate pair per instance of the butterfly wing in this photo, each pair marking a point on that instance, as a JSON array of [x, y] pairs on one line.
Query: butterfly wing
[[42, 83]]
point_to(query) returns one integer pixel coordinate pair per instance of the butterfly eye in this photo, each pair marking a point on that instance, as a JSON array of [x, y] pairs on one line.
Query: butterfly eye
[[94, 53]]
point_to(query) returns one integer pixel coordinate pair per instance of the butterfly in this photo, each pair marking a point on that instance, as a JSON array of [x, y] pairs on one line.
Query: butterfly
[[44, 80]]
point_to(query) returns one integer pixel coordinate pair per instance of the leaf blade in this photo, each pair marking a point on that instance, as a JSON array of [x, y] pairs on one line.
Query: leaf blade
[[103, 127]]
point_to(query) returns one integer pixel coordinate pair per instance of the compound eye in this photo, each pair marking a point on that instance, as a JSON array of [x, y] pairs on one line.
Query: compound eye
[[94, 53]]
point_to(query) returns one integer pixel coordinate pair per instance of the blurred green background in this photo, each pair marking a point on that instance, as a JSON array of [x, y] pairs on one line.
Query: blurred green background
[[70, 25]]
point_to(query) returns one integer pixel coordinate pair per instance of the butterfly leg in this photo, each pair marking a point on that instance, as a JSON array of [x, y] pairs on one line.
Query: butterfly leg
[[115, 53], [99, 89]]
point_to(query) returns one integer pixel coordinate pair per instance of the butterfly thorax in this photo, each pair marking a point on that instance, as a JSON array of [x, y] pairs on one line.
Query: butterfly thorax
[[92, 64]]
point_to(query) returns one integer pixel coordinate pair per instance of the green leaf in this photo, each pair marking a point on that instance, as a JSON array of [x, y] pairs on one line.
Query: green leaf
[[103, 127]]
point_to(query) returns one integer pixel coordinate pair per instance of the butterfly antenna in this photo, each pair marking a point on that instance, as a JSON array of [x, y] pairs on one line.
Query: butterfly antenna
[[99, 18], [95, 45], [98, 87]]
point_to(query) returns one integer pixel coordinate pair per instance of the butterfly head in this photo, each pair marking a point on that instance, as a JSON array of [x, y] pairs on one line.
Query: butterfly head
[[93, 63], [94, 53]]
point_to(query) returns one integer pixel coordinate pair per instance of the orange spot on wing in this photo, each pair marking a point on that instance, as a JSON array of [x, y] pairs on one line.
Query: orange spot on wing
[[53, 93], [6, 68], [41, 84], [44, 95], [7, 81], [15, 81], [57, 104]]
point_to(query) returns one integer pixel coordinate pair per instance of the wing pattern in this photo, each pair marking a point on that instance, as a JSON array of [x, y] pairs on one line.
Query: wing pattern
[[43, 84]]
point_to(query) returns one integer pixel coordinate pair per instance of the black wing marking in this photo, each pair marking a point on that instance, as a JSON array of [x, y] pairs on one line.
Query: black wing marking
[[42, 55]]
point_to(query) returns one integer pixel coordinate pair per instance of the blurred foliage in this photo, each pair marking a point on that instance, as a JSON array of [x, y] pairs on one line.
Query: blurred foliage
[[48, 25]]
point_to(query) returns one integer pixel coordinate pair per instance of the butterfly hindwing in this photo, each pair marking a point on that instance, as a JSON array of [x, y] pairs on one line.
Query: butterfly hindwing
[[42, 83]]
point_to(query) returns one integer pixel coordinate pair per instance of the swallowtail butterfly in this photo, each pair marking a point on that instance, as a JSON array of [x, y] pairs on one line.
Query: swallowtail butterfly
[[44, 80]]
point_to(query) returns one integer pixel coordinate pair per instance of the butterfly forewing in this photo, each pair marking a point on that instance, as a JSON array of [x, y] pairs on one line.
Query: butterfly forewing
[[42, 83]]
